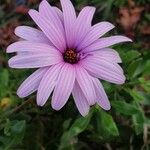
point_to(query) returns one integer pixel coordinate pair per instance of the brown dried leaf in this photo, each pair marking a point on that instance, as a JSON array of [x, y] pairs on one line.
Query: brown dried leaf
[[145, 30], [22, 9], [130, 17], [7, 35]]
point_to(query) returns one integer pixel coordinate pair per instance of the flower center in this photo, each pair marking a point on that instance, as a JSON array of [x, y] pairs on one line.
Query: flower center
[[71, 56]]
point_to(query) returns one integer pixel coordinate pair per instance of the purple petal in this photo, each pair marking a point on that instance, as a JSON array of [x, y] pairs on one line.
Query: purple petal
[[59, 14], [31, 84], [50, 14], [96, 32], [49, 29], [83, 24], [35, 60], [102, 98], [106, 42], [104, 70], [31, 34], [85, 82], [47, 84], [69, 21], [108, 54], [80, 100], [26, 46], [63, 86]]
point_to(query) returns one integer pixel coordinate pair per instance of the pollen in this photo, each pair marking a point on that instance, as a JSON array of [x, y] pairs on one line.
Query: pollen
[[71, 56]]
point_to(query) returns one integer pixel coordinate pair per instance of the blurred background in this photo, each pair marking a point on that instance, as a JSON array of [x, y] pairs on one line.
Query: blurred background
[[25, 126]]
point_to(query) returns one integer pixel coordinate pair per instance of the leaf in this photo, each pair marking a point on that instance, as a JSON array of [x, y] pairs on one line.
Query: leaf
[[18, 127], [4, 77], [14, 133], [138, 122], [7, 128], [146, 68], [136, 95], [136, 68], [124, 108], [77, 127], [145, 84], [130, 56], [146, 98], [106, 124], [66, 124]]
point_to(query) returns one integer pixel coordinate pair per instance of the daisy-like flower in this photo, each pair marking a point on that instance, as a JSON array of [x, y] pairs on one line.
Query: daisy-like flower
[[70, 55]]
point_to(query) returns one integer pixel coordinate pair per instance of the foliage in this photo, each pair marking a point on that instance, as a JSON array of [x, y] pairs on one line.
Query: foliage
[[25, 126]]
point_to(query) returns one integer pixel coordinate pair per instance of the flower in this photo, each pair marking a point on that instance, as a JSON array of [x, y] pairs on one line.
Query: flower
[[70, 56]]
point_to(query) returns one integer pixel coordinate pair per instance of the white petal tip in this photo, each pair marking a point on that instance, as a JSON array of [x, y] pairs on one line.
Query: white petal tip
[[43, 2], [130, 40], [8, 50], [41, 101], [109, 24], [10, 64], [90, 7], [55, 107], [17, 29], [107, 107], [40, 104], [123, 81], [20, 95], [32, 12], [126, 39], [84, 114]]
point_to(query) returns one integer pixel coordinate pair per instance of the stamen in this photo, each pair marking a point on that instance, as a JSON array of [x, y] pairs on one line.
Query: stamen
[[71, 56]]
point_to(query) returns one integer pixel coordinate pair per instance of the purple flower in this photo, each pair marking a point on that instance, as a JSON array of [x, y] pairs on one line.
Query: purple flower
[[70, 56]]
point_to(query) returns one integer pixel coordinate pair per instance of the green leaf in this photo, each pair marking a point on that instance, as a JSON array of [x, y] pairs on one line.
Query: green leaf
[[7, 128], [146, 68], [77, 127], [18, 127], [138, 122], [106, 125], [136, 68], [124, 108], [145, 84], [4, 77], [146, 98], [136, 95], [130, 56], [14, 133], [66, 124]]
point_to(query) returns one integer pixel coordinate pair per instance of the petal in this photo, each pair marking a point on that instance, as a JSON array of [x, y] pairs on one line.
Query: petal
[[50, 13], [49, 29], [35, 60], [106, 42], [96, 32], [108, 54], [31, 34], [26, 46], [104, 70], [80, 100], [83, 23], [47, 84], [85, 82], [31, 84], [63, 86], [69, 21], [102, 98], [59, 14]]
